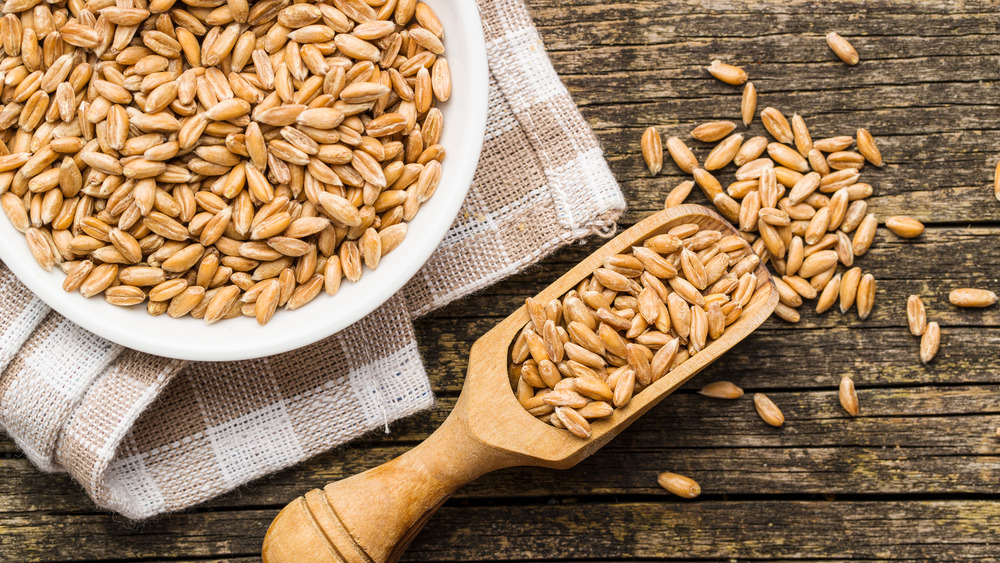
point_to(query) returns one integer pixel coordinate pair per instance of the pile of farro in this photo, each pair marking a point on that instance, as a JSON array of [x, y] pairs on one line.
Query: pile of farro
[[636, 318], [215, 158]]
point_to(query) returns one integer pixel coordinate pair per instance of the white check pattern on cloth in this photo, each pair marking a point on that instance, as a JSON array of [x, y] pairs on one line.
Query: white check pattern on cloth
[[145, 435]]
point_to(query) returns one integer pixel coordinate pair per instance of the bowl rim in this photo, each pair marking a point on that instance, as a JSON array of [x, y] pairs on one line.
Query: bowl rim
[[457, 176]]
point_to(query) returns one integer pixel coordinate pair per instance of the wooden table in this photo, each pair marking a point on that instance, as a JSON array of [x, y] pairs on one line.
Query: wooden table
[[916, 476]]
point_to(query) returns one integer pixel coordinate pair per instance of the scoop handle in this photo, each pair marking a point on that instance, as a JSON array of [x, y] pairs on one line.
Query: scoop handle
[[373, 516]]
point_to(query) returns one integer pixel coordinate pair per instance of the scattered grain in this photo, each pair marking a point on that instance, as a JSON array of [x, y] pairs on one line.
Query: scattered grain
[[842, 48], [682, 486], [748, 105], [777, 125], [848, 396], [713, 131], [682, 155], [727, 73], [906, 227], [768, 411], [721, 390], [678, 194], [930, 342], [652, 150], [867, 147], [866, 296], [916, 315], [972, 297]]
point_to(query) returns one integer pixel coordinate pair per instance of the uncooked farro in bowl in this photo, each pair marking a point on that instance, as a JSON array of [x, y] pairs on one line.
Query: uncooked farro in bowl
[[230, 178]]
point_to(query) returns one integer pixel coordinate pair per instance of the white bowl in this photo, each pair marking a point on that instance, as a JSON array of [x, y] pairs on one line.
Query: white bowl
[[243, 338]]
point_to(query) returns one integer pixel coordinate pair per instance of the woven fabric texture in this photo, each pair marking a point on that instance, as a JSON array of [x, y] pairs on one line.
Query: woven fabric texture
[[145, 435]]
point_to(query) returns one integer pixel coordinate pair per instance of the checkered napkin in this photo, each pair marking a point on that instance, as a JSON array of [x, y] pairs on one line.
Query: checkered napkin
[[146, 435]]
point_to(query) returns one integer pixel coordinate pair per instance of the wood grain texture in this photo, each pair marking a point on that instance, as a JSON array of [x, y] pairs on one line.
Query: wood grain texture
[[915, 477], [649, 528]]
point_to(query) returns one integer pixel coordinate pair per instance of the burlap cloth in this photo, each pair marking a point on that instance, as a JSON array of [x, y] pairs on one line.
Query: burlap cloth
[[146, 435]]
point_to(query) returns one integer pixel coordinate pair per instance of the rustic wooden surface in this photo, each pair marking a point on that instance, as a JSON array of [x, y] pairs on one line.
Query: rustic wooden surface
[[915, 477]]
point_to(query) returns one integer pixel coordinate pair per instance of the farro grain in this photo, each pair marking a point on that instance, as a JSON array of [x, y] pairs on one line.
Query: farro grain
[[768, 411], [916, 315], [678, 194], [866, 296], [652, 150], [972, 297], [865, 235], [124, 295], [867, 147], [838, 208], [749, 211], [727, 206], [727, 73], [721, 390], [777, 125], [787, 157], [848, 396], [800, 132], [786, 294], [833, 144], [805, 187], [849, 288], [844, 249], [748, 103], [724, 152], [843, 160], [713, 131], [786, 176], [856, 212], [800, 285], [709, 185], [754, 169], [906, 227], [930, 341], [751, 149], [786, 313], [682, 155], [818, 162], [842, 48], [829, 294], [682, 486]]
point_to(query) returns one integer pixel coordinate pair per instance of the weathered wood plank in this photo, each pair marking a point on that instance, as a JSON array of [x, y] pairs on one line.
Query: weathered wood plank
[[94, 537], [7, 446], [660, 528], [676, 73], [768, 529], [614, 472], [937, 17], [910, 440]]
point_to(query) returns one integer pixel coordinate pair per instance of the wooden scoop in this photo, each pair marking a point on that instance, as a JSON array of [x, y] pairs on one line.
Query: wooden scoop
[[373, 516]]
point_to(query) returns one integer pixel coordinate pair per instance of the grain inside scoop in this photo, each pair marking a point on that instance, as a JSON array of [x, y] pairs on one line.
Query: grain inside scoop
[[374, 515]]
